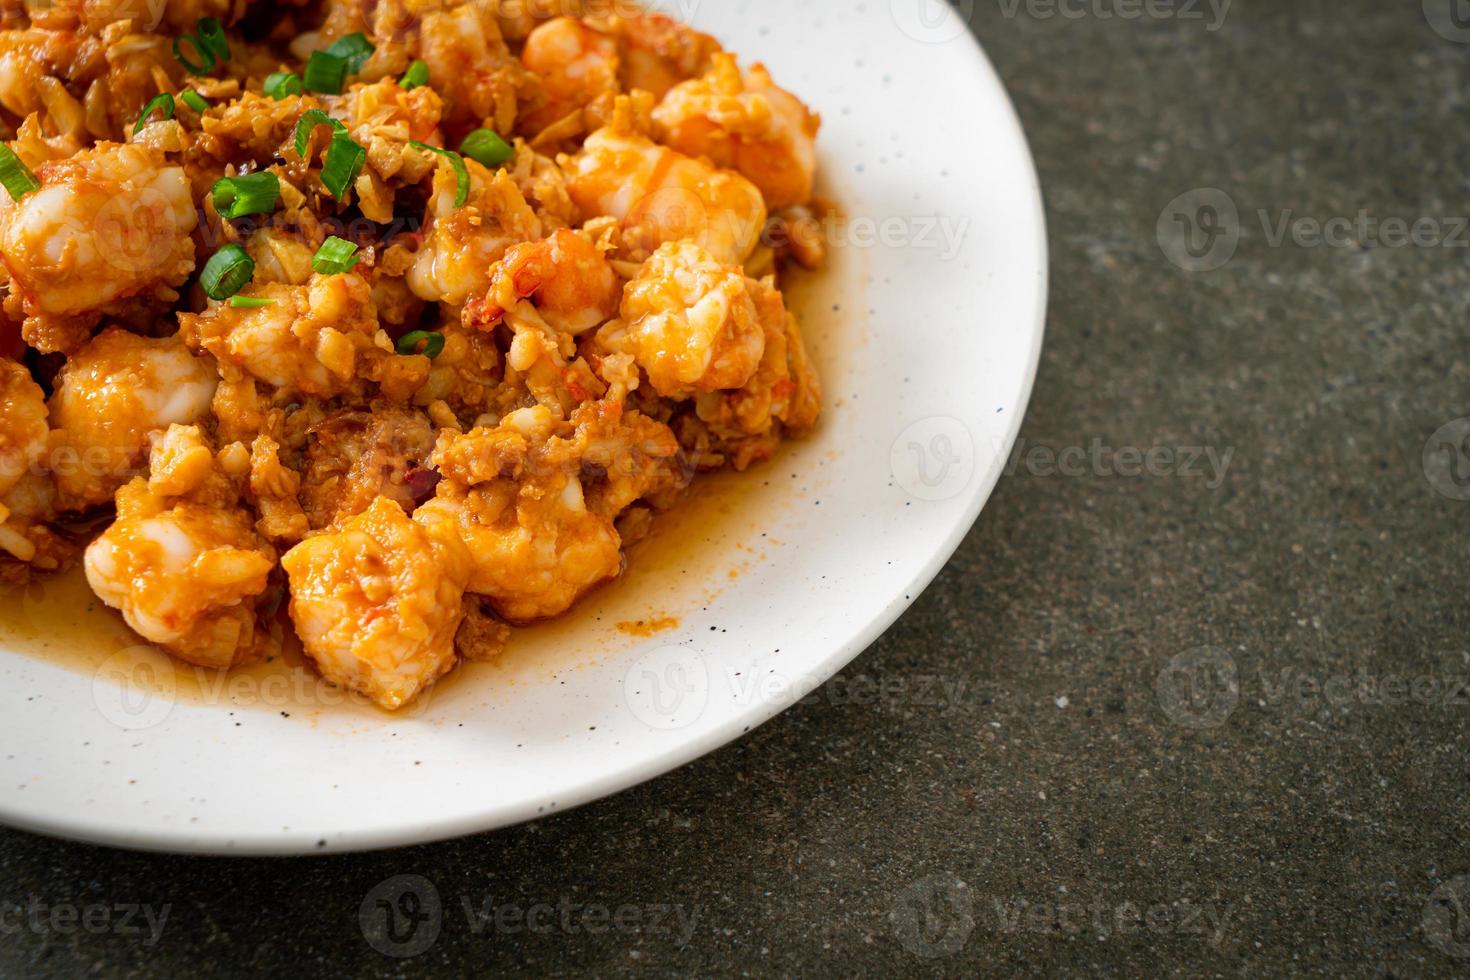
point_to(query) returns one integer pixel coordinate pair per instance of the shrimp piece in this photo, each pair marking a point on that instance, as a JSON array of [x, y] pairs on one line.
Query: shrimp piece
[[377, 601], [454, 260], [660, 195], [690, 322], [658, 52], [24, 425], [110, 223], [472, 68], [311, 339], [536, 547], [783, 396], [574, 287], [746, 124], [109, 398], [25, 495], [183, 561], [576, 65]]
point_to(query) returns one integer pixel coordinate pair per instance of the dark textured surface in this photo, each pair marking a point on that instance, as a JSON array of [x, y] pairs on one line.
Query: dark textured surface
[[1064, 786]]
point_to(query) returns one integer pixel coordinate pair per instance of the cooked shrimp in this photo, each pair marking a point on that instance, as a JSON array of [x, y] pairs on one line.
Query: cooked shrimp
[[576, 65], [24, 434], [183, 561], [660, 195], [310, 338], [109, 398], [783, 397], [377, 602], [23, 424], [690, 322], [659, 52], [535, 544], [746, 124], [454, 259], [110, 223], [569, 279], [470, 65]]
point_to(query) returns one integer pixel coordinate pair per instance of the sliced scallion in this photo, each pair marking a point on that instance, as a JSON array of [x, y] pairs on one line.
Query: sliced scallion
[[335, 257], [163, 103], [431, 341], [486, 147], [194, 100], [417, 74], [281, 85], [355, 49], [311, 119], [15, 175], [324, 73], [344, 161], [212, 38], [250, 302], [235, 197], [227, 272], [206, 61]]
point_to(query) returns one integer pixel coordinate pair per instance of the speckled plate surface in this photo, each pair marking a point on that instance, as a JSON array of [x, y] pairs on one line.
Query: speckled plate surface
[[927, 329]]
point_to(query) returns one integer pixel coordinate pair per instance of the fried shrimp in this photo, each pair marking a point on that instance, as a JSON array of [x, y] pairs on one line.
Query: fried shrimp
[[660, 195], [377, 601], [183, 561], [111, 396], [417, 313], [747, 124], [690, 323], [568, 278], [107, 225]]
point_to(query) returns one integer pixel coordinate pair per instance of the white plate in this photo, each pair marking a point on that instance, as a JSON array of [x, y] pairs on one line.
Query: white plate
[[927, 332]]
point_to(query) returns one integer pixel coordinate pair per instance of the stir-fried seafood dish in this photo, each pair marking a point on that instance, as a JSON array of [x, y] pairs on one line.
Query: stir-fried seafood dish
[[392, 323]]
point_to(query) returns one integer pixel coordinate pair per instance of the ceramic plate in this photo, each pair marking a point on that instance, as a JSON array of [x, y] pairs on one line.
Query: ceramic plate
[[927, 330]]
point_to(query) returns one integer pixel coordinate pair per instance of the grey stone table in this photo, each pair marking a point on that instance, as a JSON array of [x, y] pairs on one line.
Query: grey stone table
[[1203, 659]]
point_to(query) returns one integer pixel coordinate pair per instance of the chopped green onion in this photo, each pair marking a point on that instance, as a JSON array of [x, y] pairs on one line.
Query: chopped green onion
[[235, 197], [226, 272], [433, 343], [250, 302], [324, 73], [282, 84], [212, 37], [15, 175], [311, 119], [335, 257], [206, 56], [484, 146], [417, 74], [194, 100], [344, 161], [461, 172], [355, 49], [162, 101]]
